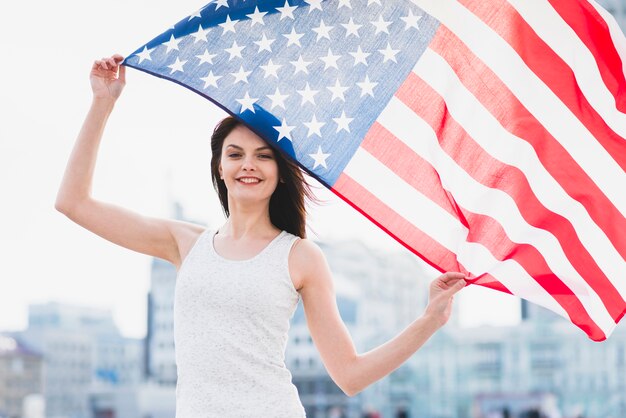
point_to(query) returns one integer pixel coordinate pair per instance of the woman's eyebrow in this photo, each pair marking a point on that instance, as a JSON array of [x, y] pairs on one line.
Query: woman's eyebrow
[[258, 149]]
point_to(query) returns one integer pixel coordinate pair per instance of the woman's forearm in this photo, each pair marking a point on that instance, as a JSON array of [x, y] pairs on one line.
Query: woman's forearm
[[384, 359], [78, 175]]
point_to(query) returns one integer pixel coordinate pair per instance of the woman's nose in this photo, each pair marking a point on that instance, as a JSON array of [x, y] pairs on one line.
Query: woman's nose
[[248, 163]]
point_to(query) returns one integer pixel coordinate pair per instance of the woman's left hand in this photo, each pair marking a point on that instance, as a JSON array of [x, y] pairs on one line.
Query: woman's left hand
[[441, 294]]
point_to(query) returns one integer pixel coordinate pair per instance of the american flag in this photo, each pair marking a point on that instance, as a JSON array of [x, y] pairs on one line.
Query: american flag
[[486, 136]]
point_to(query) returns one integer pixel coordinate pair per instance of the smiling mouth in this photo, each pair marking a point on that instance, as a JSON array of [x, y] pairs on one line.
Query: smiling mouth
[[249, 180]]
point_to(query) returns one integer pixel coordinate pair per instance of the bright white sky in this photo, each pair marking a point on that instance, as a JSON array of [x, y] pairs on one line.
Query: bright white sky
[[156, 147]]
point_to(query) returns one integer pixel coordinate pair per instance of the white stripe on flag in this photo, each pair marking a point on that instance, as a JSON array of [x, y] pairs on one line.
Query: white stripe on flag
[[477, 259], [405, 200], [616, 33], [475, 197], [508, 148], [566, 44], [534, 95]]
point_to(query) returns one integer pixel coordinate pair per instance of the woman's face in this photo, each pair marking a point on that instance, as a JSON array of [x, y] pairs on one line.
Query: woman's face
[[248, 166]]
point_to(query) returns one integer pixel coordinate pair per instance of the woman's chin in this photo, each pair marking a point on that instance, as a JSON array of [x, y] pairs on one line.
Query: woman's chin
[[249, 197]]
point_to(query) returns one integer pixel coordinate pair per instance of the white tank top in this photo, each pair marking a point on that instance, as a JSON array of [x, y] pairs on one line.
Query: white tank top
[[231, 319]]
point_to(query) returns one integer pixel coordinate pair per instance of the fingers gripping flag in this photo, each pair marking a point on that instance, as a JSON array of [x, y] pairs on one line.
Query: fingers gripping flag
[[487, 136]]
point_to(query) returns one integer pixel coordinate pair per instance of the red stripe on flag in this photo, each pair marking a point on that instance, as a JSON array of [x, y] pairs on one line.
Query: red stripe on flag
[[489, 232], [516, 119], [405, 232], [550, 68], [484, 230], [459, 145], [592, 29]]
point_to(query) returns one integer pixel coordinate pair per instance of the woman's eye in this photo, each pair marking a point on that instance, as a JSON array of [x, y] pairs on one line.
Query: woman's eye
[[234, 155], [265, 156]]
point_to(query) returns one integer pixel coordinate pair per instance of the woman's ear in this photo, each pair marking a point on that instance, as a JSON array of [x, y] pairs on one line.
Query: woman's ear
[[219, 170]]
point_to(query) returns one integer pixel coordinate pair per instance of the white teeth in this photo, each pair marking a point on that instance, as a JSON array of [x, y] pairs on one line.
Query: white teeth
[[247, 180]]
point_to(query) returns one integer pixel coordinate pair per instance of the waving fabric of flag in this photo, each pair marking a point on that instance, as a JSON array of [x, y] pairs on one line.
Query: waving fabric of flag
[[486, 136]]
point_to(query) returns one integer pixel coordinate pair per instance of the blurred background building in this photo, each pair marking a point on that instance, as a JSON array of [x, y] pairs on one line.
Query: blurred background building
[[617, 8], [21, 377]]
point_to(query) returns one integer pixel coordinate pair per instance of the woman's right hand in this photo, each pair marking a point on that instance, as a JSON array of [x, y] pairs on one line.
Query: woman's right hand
[[108, 77]]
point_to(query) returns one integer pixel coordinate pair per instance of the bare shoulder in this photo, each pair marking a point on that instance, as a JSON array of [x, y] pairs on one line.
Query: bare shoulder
[[306, 260], [185, 234]]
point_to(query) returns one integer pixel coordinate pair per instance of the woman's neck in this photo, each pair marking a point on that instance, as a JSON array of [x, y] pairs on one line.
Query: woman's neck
[[248, 222]]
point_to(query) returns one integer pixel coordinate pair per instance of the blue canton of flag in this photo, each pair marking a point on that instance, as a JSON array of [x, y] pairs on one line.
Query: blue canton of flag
[[309, 76]]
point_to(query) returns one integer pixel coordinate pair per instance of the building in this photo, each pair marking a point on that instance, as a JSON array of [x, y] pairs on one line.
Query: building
[[21, 377], [159, 343], [617, 8], [543, 365], [83, 352]]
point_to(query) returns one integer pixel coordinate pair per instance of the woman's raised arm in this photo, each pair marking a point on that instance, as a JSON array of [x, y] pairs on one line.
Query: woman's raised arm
[[351, 371], [161, 238]]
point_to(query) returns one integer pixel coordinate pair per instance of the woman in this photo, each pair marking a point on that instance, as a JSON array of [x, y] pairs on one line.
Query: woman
[[237, 287]]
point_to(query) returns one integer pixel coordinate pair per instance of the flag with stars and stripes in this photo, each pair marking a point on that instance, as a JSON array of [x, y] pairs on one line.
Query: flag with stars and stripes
[[487, 136]]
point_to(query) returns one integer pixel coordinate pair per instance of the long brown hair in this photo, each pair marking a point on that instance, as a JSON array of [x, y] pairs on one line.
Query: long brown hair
[[287, 204]]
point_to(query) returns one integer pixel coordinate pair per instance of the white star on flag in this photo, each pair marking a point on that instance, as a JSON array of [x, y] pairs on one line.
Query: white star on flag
[[235, 50], [206, 57], [284, 130], [201, 34], [323, 31], [315, 127], [257, 17], [315, 5], [367, 86], [221, 3], [265, 44], [286, 11], [294, 38], [177, 66], [381, 25], [241, 75], [319, 157], [360, 57], [195, 14], [308, 95], [144, 55], [172, 44], [338, 91], [352, 28], [301, 65], [247, 103], [229, 25], [278, 99], [343, 122], [330, 60], [411, 21], [271, 69], [389, 54], [210, 80]]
